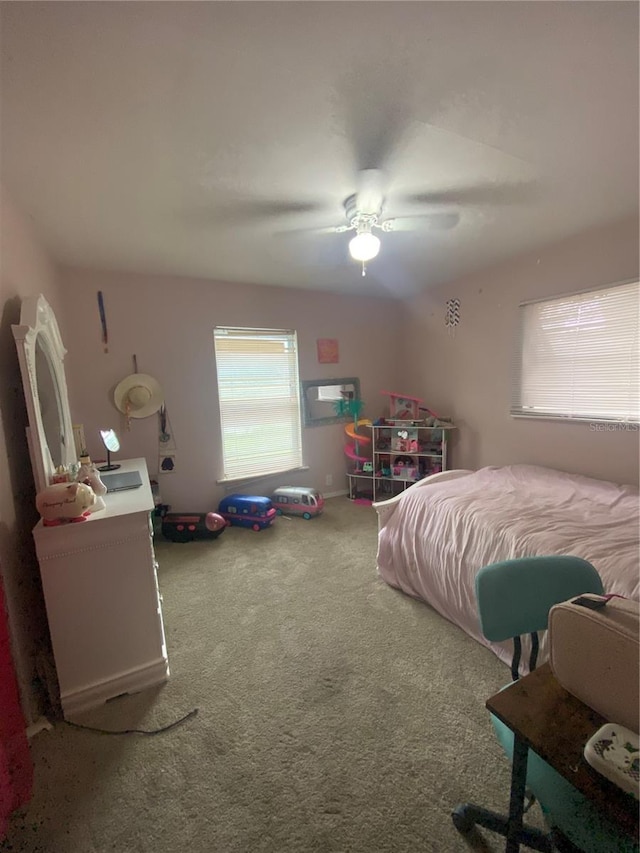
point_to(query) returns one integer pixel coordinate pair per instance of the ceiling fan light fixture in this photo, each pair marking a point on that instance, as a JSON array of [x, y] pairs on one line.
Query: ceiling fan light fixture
[[364, 246]]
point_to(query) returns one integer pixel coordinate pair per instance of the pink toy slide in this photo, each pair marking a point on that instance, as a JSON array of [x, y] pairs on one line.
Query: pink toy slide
[[351, 450]]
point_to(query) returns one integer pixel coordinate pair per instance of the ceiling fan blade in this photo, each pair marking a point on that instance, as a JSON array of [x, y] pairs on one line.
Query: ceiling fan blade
[[492, 193], [430, 221], [311, 231], [248, 211], [369, 190], [373, 108]]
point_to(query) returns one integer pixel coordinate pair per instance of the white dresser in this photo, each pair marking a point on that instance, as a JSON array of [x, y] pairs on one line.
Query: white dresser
[[101, 593]]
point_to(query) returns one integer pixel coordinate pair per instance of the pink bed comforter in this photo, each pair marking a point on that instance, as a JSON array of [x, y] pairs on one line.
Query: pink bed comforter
[[433, 544]]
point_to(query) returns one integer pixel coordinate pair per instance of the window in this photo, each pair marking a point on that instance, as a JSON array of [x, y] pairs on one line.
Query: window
[[579, 357], [259, 398]]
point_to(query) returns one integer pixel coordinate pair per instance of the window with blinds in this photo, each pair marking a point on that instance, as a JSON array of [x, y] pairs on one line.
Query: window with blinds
[[258, 392], [578, 357]]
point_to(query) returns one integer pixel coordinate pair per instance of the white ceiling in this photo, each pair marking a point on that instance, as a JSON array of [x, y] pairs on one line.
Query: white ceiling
[[205, 138]]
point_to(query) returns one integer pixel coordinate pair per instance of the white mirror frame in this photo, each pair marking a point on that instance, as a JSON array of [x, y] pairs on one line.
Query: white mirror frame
[[38, 323]]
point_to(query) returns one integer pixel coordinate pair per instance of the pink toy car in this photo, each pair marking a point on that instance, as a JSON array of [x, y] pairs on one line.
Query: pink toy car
[[297, 500]]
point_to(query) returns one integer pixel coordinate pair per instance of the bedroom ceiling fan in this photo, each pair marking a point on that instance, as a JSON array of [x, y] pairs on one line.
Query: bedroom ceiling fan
[[365, 214], [378, 159], [364, 211], [392, 151], [392, 146]]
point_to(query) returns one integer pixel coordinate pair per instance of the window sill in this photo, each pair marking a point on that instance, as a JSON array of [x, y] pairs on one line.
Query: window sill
[[594, 423], [229, 480]]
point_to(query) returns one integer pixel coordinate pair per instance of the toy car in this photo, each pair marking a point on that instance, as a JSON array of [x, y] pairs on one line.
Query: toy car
[[297, 500], [247, 511], [185, 527]]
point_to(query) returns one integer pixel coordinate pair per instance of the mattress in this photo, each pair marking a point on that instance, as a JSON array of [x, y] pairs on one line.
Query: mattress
[[438, 536]]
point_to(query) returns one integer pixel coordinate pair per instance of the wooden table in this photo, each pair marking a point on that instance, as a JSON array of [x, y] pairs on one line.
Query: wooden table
[[546, 718]]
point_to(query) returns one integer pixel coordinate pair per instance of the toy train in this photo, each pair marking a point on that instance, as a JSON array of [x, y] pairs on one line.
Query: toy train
[[184, 527]]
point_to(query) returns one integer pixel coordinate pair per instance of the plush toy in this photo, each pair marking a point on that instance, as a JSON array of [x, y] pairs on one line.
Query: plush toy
[[61, 503]]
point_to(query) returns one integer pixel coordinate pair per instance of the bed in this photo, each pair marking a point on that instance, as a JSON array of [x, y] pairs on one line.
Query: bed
[[434, 536]]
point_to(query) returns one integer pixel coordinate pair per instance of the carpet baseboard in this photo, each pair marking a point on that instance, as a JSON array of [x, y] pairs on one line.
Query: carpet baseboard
[[131, 681], [335, 494]]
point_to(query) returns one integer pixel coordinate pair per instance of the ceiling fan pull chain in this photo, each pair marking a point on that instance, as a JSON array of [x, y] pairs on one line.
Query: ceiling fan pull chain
[[364, 270]]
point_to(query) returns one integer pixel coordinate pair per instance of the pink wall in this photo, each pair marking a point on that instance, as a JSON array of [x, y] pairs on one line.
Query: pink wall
[[168, 324], [468, 375], [25, 270]]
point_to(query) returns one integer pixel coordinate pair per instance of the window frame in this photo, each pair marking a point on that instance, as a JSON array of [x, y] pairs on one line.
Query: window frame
[[229, 473]]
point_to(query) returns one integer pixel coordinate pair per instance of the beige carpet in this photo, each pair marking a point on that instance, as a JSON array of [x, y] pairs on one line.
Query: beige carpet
[[335, 714]]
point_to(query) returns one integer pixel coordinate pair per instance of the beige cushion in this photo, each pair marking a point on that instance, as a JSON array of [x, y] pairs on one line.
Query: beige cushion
[[595, 655]]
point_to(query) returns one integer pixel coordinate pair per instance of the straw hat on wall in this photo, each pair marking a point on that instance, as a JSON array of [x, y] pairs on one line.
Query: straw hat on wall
[[138, 395]]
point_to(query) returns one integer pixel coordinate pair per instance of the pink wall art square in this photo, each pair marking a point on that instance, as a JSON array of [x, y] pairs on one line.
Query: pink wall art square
[[328, 352]]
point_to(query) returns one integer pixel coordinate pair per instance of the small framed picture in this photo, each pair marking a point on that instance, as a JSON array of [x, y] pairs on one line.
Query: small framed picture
[[328, 352], [166, 463]]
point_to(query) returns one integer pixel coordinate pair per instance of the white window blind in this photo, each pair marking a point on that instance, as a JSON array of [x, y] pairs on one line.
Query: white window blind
[[258, 392], [578, 356]]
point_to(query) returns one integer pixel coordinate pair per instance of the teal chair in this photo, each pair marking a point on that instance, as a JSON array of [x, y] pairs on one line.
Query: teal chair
[[514, 599]]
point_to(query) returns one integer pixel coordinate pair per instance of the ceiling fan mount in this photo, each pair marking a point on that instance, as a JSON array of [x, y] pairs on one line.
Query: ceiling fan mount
[[352, 208], [361, 220]]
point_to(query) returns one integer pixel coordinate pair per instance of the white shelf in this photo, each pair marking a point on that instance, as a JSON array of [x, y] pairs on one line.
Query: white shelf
[[378, 485], [408, 453]]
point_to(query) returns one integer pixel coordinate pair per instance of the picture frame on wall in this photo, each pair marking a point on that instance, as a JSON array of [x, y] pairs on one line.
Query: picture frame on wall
[[328, 351]]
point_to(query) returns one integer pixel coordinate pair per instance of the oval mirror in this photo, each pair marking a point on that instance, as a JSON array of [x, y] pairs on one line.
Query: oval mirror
[[49, 402], [41, 357]]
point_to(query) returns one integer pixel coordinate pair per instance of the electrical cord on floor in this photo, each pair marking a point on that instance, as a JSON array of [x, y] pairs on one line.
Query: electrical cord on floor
[[135, 731]]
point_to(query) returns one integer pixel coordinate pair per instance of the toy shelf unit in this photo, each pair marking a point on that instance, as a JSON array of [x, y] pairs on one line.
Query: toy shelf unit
[[402, 454]]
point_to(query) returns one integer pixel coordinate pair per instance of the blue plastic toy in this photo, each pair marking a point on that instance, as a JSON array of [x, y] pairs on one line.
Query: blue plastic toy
[[247, 511]]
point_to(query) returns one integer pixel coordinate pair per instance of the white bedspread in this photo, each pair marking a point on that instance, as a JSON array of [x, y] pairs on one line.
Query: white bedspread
[[440, 535]]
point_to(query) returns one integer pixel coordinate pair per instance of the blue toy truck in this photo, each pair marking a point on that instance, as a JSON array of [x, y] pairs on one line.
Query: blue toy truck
[[247, 511]]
